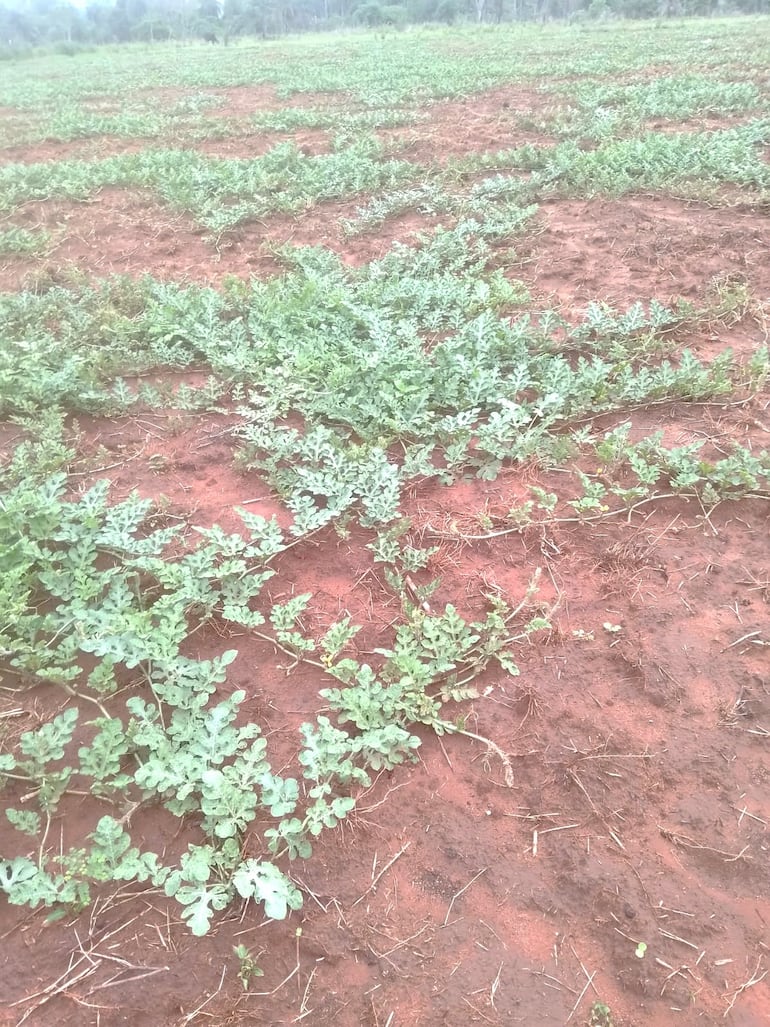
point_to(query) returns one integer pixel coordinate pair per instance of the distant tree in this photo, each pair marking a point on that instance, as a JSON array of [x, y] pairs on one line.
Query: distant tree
[[17, 28], [152, 30], [447, 11], [30, 23]]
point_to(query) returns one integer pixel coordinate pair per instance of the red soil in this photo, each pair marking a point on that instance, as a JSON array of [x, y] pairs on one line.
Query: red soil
[[642, 247], [246, 147], [120, 232], [638, 811], [640, 805], [487, 122]]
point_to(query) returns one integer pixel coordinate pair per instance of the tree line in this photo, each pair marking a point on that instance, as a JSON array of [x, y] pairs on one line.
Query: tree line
[[28, 24]]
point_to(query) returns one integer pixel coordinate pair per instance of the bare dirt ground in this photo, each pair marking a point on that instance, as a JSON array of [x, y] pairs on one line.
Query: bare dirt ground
[[71, 149], [245, 145], [619, 251], [490, 122], [123, 232], [646, 246], [640, 806]]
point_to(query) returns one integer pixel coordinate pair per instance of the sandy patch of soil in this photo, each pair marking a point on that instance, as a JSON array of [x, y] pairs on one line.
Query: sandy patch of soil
[[120, 232], [702, 123]]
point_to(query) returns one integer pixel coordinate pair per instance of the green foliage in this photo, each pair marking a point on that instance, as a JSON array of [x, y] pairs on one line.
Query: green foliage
[[22, 242], [492, 385], [219, 194], [87, 558], [600, 110], [458, 61], [265, 883], [434, 660], [638, 472], [652, 160], [600, 1015], [112, 591], [248, 967], [26, 821], [352, 384]]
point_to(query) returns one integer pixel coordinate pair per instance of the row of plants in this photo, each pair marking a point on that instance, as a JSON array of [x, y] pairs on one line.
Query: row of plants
[[89, 581], [412, 68], [596, 109], [599, 110], [192, 119], [97, 600], [110, 590], [221, 194], [348, 386]]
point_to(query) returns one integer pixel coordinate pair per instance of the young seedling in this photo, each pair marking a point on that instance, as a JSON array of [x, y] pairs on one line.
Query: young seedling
[[248, 968]]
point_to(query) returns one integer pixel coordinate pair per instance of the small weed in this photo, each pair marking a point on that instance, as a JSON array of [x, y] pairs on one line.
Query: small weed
[[601, 1016], [22, 242], [248, 968], [730, 299]]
